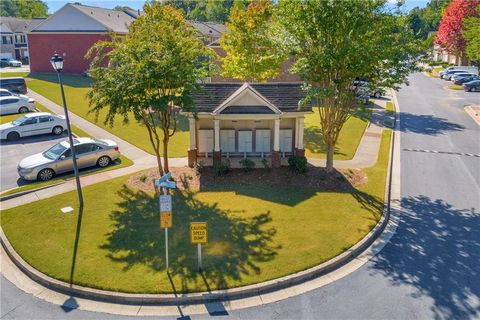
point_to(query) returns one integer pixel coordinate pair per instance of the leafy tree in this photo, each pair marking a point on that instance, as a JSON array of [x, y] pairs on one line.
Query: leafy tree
[[336, 42], [450, 32], [427, 19], [253, 51], [122, 8], [149, 74], [472, 36], [26, 9]]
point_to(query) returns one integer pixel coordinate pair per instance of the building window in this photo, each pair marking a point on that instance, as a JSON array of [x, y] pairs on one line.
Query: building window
[[11, 40], [4, 40]]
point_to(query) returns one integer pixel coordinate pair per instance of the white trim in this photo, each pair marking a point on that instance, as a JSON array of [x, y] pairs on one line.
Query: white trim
[[216, 137], [243, 117], [193, 133], [242, 90], [276, 135]]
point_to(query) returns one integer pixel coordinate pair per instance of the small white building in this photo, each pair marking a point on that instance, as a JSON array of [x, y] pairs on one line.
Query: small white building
[[257, 120]]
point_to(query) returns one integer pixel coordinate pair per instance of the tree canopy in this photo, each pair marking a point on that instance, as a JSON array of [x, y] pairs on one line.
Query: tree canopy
[[206, 10], [26, 9], [149, 73], [450, 32], [335, 42], [472, 36], [252, 46], [427, 19]]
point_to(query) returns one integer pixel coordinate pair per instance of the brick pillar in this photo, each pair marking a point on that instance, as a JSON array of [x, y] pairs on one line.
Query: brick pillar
[[276, 159], [217, 157], [300, 152], [192, 157]]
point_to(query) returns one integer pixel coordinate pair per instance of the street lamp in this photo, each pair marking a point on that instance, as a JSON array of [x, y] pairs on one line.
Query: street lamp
[[57, 64]]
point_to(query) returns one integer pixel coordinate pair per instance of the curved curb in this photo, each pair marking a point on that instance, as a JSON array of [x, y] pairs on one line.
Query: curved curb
[[217, 295], [22, 193]]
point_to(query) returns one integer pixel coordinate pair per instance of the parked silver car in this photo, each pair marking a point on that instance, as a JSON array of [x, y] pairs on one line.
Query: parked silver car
[[33, 124], [58, 159]]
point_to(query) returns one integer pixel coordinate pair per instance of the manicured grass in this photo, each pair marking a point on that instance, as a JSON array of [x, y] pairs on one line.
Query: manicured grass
[[120, 163], [13, 74], [76, 88], [9, 118], [455, 87], [348, 140], [255, 233]]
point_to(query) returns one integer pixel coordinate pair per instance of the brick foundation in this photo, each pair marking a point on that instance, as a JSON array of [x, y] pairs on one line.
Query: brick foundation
[[300, 152], [192, 157], [276, 159]]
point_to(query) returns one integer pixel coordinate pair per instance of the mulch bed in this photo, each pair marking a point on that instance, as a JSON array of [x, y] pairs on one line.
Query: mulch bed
[[316, 178]]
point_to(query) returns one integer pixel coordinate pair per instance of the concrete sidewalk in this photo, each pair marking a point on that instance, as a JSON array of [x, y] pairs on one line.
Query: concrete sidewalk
[[365, 155]]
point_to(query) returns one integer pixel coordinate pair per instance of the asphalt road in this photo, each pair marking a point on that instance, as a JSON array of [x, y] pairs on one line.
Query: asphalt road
[[431, 266], [12, 152]]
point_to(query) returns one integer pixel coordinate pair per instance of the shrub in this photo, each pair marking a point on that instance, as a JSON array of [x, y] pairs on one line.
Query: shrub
[[199, 166], [222, 168], [298, 164], [247, 164], [265, 163], [143, 178]]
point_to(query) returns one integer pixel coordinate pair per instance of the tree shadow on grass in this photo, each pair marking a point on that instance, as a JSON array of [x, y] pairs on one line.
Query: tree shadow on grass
[[436, 249], [75, 81], [236, 244]]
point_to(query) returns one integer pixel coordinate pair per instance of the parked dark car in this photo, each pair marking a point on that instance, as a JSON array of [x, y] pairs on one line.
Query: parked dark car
[[472, 86], [463, 80], [15, 85]]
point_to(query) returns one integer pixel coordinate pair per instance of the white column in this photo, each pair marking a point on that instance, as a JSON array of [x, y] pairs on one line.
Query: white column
[[217, 134], [296, 133], [300, 133], [193, 133], [276, 136]]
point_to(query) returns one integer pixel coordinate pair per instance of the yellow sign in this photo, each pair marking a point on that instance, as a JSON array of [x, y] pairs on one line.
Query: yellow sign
[[198, 232], [165, 219]]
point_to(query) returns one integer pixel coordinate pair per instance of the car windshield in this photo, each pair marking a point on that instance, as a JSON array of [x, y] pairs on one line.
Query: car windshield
[[54, 152], [19, 121]]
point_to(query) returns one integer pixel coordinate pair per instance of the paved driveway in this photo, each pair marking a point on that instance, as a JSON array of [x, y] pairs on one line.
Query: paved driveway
[[11, 153]]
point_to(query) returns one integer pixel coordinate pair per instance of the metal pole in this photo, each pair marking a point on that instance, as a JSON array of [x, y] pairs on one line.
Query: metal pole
[[70, 139], [199, 249], [166, 246]]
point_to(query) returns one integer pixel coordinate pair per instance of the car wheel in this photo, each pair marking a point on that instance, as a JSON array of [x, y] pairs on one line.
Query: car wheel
[[23, 110], [103, 161], [45, 174], [57, 130], [13, 136]]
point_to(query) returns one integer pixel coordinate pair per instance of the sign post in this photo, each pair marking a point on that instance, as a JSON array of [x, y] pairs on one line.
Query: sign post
[[165, 202], [166, 219], [199, 236]]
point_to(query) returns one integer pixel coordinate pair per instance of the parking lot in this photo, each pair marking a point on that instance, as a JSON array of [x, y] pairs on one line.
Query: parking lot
[[11, 153]]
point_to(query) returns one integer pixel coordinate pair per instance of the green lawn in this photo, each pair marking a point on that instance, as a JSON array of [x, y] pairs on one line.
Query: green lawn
[[348, 140], [120, 163], [256, 233], [13, 74], [76, 87], [455, 87]]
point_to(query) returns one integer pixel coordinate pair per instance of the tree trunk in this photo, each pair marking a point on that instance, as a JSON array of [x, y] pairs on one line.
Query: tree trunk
[[165, 154], [329, 166]]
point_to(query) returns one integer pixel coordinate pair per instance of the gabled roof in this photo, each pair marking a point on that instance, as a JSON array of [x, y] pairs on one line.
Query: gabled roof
[[283, 96], [19, 25], [111, 20], [114, 20]]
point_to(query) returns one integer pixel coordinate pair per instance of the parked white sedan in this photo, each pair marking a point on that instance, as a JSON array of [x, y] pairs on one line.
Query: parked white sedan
[[33, 124], [16, 104]]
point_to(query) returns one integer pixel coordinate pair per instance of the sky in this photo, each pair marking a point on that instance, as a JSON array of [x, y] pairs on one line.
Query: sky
[[54, 5]]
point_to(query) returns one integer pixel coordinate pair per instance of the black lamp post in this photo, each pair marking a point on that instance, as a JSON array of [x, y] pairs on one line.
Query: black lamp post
[[57, 64]]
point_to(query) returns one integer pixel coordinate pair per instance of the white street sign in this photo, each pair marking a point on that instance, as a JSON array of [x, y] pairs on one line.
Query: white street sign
[[165, 203]]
